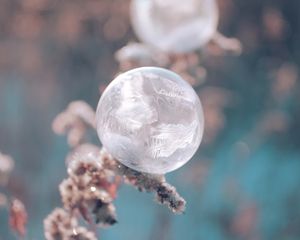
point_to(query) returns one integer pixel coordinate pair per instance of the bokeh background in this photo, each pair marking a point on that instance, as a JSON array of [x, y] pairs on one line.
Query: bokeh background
[[244, 182]]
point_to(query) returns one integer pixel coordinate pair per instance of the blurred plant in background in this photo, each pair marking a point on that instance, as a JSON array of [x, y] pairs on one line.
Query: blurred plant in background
[[17, 211]]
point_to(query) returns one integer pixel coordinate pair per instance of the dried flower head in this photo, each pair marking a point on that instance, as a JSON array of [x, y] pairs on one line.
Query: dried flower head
[[18, 217], [90, 188], [74, 122], [6, 166], [62, 225]]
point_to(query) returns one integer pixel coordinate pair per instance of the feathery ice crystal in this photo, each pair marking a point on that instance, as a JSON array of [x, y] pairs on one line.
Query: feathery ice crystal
[[150, 119]]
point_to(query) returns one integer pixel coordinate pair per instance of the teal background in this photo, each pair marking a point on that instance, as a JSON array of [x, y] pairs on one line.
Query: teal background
[[243, 185]]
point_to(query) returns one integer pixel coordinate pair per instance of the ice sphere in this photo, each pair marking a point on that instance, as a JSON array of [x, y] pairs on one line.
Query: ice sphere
[[175, 26], [150, 120]]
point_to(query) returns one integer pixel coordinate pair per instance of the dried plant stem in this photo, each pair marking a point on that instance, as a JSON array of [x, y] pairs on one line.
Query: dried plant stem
[[94, 178]]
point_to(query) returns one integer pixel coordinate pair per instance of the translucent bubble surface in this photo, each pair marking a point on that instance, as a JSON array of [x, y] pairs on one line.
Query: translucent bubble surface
[[176, 26], [150, 119]]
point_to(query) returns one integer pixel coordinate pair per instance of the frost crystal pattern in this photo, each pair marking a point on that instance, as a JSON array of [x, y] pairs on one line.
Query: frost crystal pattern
[[150, 120], [174, 25]]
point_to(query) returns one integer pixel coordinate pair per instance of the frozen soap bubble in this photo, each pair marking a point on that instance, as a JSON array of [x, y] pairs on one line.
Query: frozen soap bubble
[[175, 26], [150, 119]]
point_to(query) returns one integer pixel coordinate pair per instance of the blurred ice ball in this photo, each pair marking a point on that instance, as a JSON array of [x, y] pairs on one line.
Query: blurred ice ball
[[175, 26], [150, 119]]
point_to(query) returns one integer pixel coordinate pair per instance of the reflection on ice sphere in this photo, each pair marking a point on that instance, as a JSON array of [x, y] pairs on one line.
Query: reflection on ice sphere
[[175, 26], [150, 119]]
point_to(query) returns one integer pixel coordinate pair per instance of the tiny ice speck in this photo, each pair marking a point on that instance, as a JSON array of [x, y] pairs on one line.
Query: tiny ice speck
[[150, 120]]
